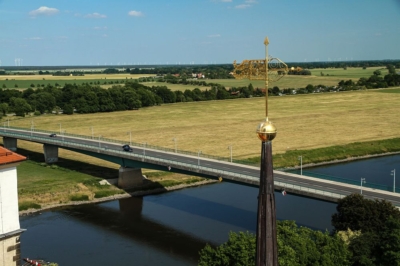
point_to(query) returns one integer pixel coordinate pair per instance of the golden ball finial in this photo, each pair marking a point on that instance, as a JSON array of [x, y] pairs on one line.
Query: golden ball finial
[[266, 131]]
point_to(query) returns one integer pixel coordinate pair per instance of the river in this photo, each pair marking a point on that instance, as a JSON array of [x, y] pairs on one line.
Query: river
[[168, 228]]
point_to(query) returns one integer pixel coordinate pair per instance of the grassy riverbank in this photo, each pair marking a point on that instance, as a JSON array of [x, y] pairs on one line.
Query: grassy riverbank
[[41, 185], [334, 153], [71, 182]]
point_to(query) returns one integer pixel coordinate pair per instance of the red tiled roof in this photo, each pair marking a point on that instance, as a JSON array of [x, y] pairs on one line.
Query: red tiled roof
[[7, 156]]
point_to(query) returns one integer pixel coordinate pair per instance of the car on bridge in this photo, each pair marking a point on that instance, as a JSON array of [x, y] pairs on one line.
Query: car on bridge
[[53, 135], [128, 148]]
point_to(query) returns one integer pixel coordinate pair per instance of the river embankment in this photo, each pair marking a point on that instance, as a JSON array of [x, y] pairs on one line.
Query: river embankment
[[119, 196], [126, 194]]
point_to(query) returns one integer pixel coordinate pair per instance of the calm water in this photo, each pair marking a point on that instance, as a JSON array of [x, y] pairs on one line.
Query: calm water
[[171, 228], [375, 171]]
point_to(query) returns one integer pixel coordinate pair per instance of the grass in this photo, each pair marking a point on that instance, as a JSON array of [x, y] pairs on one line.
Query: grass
[[339, 152], [26, 205], [40, 184], [332, 76], [390, 90], [303, 122], [44, 184], [78, 197], [315, 126], [349, 73], [25, 81]]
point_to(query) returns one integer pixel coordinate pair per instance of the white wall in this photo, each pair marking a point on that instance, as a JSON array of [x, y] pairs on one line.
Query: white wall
[[9, 216]]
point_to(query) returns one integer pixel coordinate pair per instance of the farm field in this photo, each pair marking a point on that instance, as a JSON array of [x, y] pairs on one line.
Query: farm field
[[349, 73], [332, 76], [25, 81], [303, 122]]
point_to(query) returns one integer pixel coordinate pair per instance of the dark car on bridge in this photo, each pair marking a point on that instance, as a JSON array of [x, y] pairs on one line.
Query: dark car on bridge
[[126, 147], [53, 135]]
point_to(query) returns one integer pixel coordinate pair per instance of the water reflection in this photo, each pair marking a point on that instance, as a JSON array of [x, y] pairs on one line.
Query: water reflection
[[163, 229]]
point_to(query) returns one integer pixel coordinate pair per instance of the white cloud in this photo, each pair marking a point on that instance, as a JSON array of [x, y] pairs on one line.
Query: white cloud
[[95, 15], [35, 38], [242, 6], [134, 13], [214, 36], [250, 1], [226, 1], [44, 10]]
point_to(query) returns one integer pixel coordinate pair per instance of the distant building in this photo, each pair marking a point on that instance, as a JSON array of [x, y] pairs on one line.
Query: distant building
[[10, 230], [198, 75]]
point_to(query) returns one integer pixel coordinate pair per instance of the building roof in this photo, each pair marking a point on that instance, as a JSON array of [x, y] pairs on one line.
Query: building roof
[[8, 157]]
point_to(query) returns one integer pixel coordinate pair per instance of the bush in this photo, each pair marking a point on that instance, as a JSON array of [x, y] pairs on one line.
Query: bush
[[79, 197], [28, 205], [105, 193]]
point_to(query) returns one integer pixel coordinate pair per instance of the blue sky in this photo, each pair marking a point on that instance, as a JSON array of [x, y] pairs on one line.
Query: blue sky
[[87, 32]]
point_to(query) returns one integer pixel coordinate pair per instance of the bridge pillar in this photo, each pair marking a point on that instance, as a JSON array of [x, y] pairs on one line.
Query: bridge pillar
[[50, 153], [129, 177], [10, 143]]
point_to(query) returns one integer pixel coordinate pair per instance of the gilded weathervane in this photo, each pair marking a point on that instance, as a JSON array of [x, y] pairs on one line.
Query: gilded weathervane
[[258, 70]]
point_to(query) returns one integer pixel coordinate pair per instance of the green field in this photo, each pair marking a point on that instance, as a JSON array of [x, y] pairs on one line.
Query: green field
[[332, 76], [349, 73]]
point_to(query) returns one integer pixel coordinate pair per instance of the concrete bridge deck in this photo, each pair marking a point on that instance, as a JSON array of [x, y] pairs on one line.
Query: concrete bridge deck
[[144, 157]]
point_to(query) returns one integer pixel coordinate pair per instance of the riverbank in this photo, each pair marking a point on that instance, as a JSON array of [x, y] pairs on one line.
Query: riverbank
[[119, 196], [86, 189]]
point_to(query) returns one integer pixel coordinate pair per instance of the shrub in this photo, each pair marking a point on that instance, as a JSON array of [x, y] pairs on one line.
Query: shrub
[[28, 205], [79, 197]]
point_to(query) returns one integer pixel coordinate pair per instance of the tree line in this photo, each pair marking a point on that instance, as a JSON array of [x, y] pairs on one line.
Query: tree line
[[366, 233], [88, 98]]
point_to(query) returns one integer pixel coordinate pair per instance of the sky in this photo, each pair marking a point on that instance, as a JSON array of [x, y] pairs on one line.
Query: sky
[[148, 32]]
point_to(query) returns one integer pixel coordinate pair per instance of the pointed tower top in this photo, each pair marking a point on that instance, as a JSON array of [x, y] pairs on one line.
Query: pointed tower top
[[266, 41]]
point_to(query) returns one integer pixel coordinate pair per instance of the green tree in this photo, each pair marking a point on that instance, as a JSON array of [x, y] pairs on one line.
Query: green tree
[[239, 250], [19, 106], [276, 90], [389, 243], [377, 73], [391, 69], [68, 109], [379, 223], [42, 102], [354, 212], [297, 246], [4, 108]]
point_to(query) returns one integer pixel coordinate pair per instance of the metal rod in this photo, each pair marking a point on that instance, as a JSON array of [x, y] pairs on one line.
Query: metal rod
[[266, 42]]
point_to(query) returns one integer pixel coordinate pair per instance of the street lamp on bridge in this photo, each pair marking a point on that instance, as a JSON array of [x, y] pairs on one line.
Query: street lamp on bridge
[[362, 181], [301, 164], [230, 149], [393, 173], [175, 144], [198, 158], [130, 137]]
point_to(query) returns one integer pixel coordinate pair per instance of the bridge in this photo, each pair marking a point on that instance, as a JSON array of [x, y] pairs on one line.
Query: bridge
[[157, 158]]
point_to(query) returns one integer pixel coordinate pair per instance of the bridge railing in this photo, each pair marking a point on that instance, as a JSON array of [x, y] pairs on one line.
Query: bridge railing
[[345, 180], [172, 163], [121, 142]]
